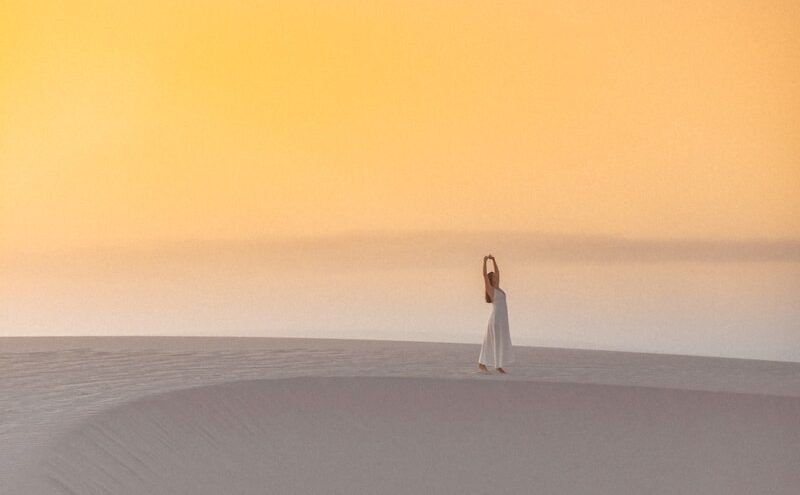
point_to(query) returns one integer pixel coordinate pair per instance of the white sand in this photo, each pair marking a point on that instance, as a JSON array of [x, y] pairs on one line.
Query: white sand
[[240, 416]]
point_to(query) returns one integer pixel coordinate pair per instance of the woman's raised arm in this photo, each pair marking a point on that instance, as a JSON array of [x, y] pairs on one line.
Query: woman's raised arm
[[496, 269], [486, 283]]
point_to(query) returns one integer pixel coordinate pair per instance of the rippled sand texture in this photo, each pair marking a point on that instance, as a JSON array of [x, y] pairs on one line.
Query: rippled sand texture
[[167, 415]]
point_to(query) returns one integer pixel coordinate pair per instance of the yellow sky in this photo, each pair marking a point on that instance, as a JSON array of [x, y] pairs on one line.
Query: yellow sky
[[132, 122]]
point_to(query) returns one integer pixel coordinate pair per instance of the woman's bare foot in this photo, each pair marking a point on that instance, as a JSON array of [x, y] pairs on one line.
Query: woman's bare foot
[[501, 370], [483, 367]]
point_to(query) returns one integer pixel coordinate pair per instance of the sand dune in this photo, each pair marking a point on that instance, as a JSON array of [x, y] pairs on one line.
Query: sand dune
[[402, 435], [241, 416]]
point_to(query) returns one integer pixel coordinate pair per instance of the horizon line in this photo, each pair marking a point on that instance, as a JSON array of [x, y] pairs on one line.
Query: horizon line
[[553, 245]]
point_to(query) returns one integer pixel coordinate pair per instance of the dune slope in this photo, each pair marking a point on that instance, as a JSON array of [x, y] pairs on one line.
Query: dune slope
[[422, 435]]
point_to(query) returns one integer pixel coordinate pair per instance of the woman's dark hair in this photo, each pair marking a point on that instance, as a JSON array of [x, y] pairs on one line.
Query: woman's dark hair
[[491, 280]]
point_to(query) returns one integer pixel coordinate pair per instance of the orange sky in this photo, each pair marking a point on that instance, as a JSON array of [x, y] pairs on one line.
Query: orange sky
[[127, 123]]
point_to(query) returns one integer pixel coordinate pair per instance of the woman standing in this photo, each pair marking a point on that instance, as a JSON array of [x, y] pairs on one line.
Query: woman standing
[[496, 349]]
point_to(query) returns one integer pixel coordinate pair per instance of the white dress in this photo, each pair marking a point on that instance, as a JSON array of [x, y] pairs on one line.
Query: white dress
[[496, 350]]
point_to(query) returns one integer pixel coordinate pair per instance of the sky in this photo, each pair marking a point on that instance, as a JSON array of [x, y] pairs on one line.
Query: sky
[[338, 169], [128, 124]]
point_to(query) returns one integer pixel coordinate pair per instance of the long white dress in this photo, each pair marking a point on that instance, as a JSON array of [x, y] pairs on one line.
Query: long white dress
[[496, 350]]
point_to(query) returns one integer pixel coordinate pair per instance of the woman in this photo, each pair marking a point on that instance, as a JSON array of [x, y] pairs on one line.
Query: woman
[[496, 349]]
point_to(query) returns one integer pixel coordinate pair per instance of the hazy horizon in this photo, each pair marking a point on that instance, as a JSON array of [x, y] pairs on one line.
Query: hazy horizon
[[703, 298], [560, 244]]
